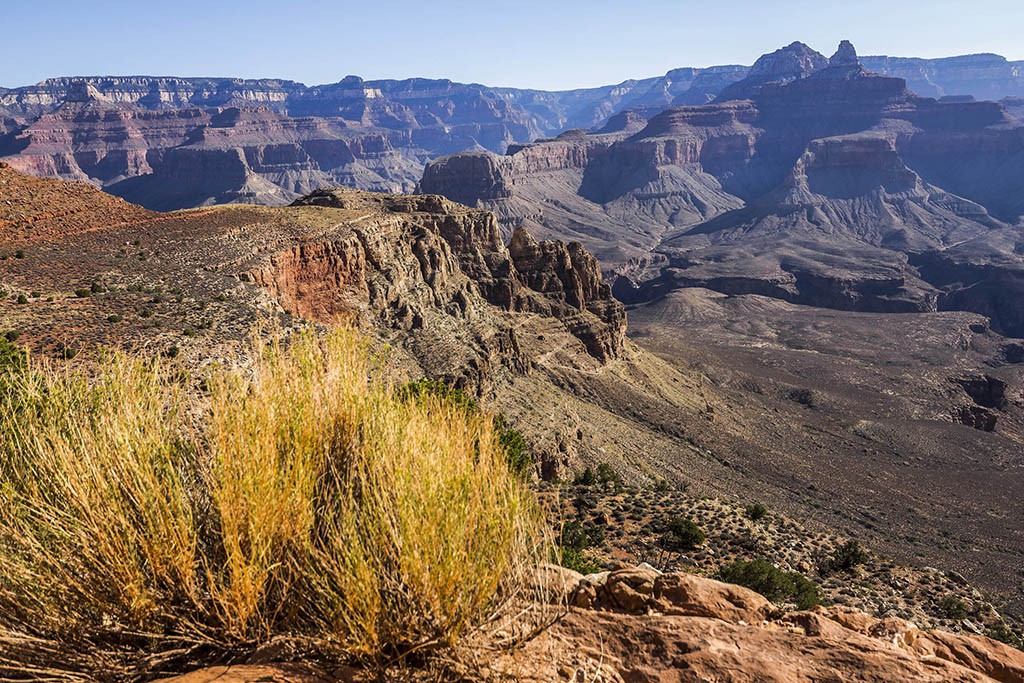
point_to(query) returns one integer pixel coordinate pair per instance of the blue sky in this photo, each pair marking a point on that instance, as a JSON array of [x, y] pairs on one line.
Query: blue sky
[[525, 43]]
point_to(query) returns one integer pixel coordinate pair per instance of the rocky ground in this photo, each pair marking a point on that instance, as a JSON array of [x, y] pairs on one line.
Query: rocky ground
[[631, 526], [638, 624]]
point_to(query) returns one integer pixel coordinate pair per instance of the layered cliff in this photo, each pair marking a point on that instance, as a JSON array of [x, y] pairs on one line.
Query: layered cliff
[[823, 184], [122, 132]]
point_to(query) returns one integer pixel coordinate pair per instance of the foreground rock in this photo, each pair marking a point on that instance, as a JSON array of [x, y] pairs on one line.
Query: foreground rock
[[677, 627]]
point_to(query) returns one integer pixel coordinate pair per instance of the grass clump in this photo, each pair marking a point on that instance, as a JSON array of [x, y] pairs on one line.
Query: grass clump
[[517, 451], [762, 576], [297, 497]]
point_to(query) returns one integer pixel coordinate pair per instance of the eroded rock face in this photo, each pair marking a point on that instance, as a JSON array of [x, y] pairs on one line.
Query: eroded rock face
[[826, 185], [423, 254]]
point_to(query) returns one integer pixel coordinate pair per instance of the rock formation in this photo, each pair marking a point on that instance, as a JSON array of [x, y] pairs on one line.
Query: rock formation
[[171, 143], [811, 180], [639, 624]]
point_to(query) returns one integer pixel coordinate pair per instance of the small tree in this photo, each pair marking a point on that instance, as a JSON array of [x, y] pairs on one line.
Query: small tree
[[682, 534], [845, 557], [756, 512], [762, 576]]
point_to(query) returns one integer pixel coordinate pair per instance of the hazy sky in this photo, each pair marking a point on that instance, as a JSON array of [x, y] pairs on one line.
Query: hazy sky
[[527, 43]]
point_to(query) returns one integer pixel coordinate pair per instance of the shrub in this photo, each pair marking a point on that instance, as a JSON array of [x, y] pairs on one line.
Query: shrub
[[83, 292], [12, 335], [953, 607], [756, 512], [1001, 632], [608, 477], [114, 318], [682, 534], [22, 299], [308, 500], [845, 558], [585, 478], [12, 357], [573, 542], [762, 576]]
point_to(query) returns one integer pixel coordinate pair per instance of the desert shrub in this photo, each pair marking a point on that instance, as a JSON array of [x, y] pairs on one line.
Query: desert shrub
[[682, 534], [296, 497], [762, 576], [12, 335], [804, 397], [845, 558], [1001, 632], [83, 292], [608, 477], [575, 539], [953, 607], [12, 356], [756, 512], [585, 478], [22, 299]]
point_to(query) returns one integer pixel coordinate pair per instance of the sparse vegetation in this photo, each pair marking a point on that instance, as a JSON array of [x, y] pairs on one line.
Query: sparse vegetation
[[953, 607], [12, 356], [575, 539], [308, 501], [778, 586], [83, 292]]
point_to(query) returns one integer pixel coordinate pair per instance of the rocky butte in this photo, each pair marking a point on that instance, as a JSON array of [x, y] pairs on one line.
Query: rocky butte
[[814, 181]]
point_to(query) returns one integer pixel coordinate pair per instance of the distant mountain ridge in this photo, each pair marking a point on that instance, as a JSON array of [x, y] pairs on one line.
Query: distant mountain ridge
[[170, 142]]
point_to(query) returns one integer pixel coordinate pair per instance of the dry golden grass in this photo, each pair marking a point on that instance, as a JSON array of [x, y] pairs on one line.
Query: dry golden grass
[[297, 496]]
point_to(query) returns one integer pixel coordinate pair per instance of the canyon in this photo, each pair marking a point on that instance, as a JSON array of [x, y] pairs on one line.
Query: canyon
[[814, 181], [796, 283], [169, 143]]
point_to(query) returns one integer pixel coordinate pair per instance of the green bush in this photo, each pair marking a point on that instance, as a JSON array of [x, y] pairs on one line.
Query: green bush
[[608, 477], [573, 542], [585, 478], [83, 292], [22, 299], [845, 558], [12, 357], [953, 607], [762, 576], [1001, 632], [756, 512], [682, 534]]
